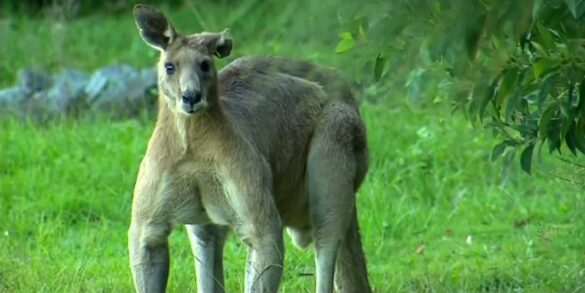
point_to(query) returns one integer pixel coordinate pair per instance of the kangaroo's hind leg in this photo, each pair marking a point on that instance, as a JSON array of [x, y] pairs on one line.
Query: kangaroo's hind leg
[[335, 168], [351, 275], [207, 242]]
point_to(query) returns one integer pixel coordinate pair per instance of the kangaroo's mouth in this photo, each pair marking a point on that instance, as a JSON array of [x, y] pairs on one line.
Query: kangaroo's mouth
[[192, 108]]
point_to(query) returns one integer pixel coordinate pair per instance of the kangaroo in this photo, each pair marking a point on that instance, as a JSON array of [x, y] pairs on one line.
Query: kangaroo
[[264, 144]]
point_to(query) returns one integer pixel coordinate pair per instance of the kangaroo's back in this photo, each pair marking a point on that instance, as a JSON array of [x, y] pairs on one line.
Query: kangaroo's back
[[268, 97], [330, 79], [265, 99]]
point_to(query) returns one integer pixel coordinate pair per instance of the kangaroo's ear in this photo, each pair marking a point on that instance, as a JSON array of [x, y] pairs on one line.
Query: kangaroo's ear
[[219, 44], [154, 27]]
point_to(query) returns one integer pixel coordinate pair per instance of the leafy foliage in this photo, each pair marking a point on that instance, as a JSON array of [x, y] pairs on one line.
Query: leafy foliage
[[517, 67]]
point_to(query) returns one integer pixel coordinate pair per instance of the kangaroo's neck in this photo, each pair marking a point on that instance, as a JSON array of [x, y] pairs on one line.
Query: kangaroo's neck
[[205, 134]]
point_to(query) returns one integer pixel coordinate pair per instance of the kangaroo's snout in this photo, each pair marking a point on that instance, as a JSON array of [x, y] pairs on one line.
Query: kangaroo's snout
[[190, 99]]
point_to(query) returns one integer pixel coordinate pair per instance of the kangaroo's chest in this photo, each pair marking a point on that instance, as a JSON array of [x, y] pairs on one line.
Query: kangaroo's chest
[[211, 195], [203, 193]]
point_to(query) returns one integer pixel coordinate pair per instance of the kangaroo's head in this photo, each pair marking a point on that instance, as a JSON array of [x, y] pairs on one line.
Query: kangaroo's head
[[186, 73]]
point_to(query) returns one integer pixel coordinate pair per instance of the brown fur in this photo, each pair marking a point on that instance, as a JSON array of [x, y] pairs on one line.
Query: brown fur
[[270, 143]]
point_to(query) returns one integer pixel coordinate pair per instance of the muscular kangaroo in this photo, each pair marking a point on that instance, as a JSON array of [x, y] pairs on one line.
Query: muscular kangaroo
[[263, 144]]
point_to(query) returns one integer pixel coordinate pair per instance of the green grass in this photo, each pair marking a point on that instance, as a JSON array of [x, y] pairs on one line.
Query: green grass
[[65, 194], [98, 40], [436, 215]]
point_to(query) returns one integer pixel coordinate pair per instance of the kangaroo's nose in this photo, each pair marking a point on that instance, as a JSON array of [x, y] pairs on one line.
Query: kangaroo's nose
[[191, 97]]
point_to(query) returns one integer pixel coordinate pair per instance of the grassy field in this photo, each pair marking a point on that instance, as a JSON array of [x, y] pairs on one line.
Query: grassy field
[[436, 215]]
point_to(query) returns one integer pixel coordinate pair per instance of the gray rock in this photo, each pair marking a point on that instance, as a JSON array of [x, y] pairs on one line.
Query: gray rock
[[12, 100], [141, 89], [32, 81], [119, 88], [65, 94]]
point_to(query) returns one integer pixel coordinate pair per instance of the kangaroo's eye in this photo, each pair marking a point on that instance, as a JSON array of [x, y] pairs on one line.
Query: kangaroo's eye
[[204, 65], [170, 68]]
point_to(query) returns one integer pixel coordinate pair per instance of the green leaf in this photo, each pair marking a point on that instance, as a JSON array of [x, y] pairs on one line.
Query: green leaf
[[547, 86], [512, 143], [542, 67], [361, 33], [579, 135], [539, 49], [567, 117], [547, 39], [526, 158], [530, 92], [570, 139], [581, 106], [554, 143], [498, 150], [346, 43], [513, 101], [553, 133], [379, 67], [507, 83], [574, 47], [489, 95], [536, 8], [473, 33], [512, 105], [545, 118], [574, 97], [506, 86], [572, 7]]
